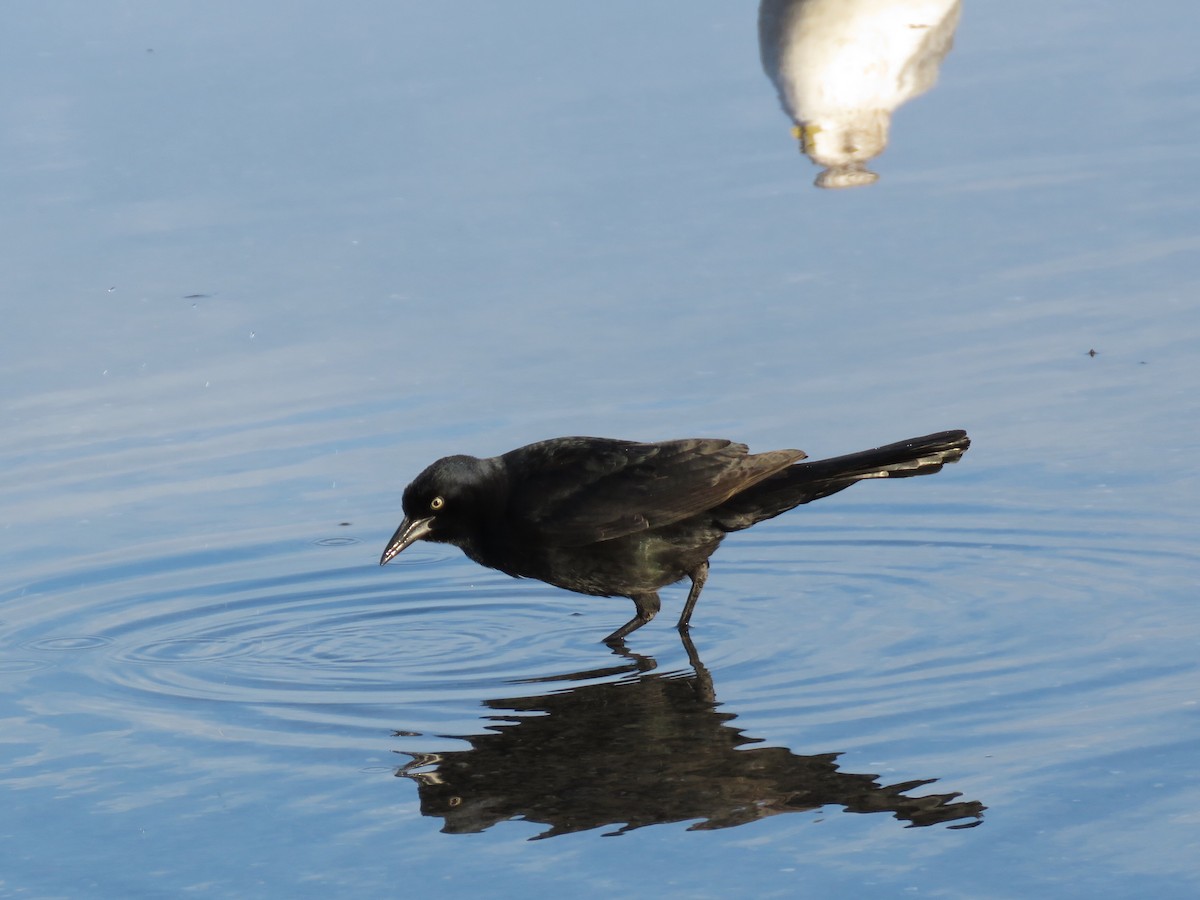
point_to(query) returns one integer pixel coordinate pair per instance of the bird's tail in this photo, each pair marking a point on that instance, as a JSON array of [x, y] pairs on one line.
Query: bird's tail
[[809, 481]]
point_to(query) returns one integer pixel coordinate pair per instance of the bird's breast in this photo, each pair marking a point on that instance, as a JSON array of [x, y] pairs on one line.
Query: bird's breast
[[631, 564]]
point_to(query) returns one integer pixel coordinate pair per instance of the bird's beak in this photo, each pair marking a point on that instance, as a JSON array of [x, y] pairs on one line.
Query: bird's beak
[[410, 530]]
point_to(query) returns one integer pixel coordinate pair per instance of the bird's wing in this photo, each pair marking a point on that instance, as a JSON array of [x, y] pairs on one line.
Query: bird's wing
[[577, 491]]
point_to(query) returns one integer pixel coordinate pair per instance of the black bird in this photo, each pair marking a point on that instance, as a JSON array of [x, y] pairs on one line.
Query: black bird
[[620, 518]]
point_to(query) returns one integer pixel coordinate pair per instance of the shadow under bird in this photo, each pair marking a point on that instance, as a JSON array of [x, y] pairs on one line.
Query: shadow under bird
[[620, 518]]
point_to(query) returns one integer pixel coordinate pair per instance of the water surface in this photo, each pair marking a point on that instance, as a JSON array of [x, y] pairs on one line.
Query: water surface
[[260, 271]]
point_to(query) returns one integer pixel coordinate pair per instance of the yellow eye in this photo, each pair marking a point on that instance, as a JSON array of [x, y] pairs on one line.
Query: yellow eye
[[436, 503]]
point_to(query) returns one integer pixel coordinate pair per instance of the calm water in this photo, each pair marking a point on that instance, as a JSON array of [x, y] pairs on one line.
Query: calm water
[[260, 269]]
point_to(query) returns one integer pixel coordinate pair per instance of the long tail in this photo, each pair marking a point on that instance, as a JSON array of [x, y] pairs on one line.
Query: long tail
[[809, 481]]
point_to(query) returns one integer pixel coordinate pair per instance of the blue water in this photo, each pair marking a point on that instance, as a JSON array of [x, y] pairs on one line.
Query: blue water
[[261, 269]]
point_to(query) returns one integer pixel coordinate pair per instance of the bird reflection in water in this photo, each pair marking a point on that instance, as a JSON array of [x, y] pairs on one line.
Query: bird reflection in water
[[644, 749], [842, 67]]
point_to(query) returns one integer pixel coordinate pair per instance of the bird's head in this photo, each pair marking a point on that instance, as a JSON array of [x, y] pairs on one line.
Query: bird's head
[[446, 503]]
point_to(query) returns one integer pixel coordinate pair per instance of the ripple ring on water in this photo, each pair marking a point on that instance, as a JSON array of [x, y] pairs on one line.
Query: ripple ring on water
[[66, 644]]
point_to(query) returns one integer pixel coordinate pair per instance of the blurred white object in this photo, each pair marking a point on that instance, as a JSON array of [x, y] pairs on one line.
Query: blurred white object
[[842, 66]]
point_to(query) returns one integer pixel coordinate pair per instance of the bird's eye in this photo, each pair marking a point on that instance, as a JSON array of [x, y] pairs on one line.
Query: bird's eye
[[436, 503]]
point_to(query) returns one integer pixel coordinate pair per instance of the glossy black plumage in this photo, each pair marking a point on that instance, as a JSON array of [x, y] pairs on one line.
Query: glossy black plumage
[[620, 518]]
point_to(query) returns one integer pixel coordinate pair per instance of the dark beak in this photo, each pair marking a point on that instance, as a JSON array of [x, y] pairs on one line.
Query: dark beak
[[410, 530]]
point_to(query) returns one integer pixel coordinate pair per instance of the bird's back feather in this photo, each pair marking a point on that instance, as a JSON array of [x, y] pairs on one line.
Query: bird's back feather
[[578, 491]]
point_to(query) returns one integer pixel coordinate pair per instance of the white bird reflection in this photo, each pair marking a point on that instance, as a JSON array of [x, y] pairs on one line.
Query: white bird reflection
[[841, 68]]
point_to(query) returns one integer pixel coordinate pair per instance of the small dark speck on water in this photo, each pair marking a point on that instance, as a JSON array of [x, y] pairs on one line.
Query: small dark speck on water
[[196, 296], [343, 524], [1091, 352]]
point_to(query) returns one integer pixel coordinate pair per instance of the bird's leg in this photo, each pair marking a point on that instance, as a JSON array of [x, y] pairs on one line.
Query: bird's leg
[[647, 608], [698, 575]]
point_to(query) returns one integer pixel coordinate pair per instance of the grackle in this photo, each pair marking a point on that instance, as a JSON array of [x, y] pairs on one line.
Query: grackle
[[620, 518]]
